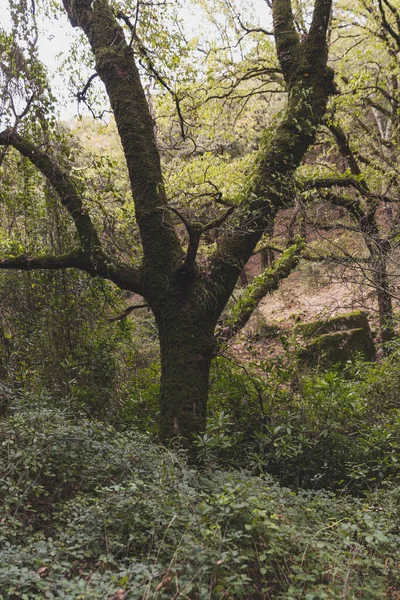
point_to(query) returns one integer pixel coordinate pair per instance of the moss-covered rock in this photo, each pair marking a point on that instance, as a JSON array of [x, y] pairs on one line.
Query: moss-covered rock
[[336, 341], [354, 320]]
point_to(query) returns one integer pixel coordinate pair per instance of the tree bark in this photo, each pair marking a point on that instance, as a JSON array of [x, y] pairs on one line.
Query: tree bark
[[187, 346]]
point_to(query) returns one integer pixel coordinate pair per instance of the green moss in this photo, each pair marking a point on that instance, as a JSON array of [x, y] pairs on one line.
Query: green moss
[[337, 340], [265, 283], [353, 320], [338, 348]]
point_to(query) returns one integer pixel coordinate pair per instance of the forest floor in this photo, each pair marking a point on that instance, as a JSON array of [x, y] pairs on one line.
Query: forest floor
[[312, 292]]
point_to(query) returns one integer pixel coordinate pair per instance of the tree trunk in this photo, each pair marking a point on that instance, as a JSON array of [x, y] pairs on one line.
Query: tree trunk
[[378, 247], [385, 305], [385, 316], [187, 346]]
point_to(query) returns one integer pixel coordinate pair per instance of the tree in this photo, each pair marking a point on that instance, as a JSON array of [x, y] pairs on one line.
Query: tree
[[361, 208], [186, 298], [363, 123]]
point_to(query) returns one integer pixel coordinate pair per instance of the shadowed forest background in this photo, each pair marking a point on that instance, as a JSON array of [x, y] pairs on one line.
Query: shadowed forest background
[[200, 300]]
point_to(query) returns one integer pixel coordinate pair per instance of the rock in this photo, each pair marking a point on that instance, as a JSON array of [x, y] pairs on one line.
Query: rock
[[335, 341]]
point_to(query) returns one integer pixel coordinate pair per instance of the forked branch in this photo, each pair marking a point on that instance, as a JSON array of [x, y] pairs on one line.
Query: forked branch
[[195, 231]]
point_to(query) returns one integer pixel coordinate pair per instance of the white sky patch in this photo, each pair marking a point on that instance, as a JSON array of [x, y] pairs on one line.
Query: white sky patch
[[55, 38]]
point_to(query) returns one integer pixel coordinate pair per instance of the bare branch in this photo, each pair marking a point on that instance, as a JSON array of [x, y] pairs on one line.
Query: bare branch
[[81, 96], [253, 29], [128, 312], [182, 217], [217, 222]]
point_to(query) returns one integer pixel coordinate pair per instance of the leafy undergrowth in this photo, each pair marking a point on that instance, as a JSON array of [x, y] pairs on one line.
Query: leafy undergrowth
[[337, 430], [90, 512]]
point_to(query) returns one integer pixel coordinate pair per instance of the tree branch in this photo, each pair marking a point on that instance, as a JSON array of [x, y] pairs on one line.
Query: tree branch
[[71, 260], [320, 184], [64, 185], [347, 153], [320, 22], [81, 96], [269, 247], [332, 226], [286, 38], [115, 64], [335, 258], [263, 284], [125, 276], [195, 231], [329, 182], [271, 186], [253, 29], [218, 221], [395, 35], [128, 312], [352, 205], [90, 257]]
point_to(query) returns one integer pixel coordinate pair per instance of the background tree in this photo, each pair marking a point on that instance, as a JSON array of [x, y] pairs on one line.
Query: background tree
[[359, 172]]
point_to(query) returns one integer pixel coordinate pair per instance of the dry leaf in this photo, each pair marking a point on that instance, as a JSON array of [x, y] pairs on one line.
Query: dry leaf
[[118, 595]]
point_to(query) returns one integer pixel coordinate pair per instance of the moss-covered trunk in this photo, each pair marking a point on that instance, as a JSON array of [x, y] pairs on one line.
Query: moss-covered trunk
[[187, 346]]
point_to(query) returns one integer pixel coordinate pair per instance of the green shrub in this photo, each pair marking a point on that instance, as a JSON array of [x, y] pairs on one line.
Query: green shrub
[[320, 430], [140, 405]]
